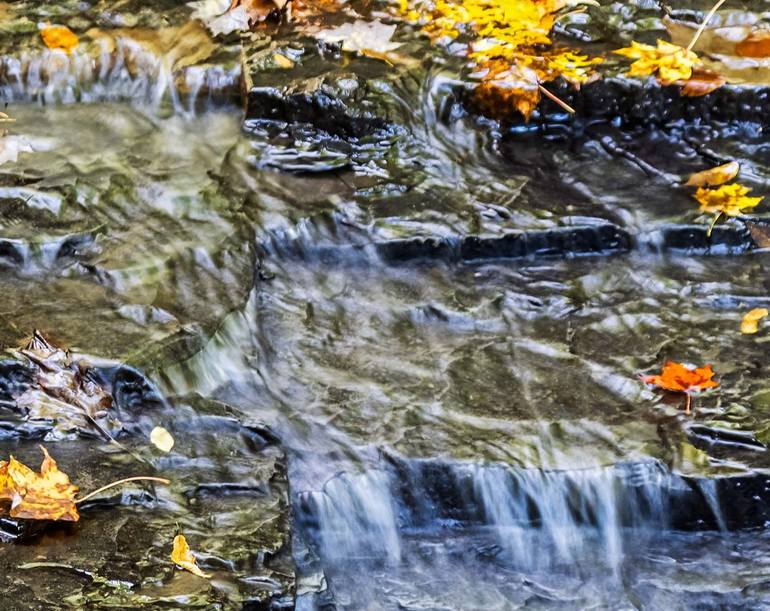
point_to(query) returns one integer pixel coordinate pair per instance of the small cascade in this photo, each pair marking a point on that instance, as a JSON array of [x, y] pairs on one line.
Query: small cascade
[[539, 520], [355, 517], [128, 71], [544, 519]]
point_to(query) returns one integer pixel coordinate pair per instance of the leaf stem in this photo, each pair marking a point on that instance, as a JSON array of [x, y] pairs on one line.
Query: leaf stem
[[555, 99], [703, 25], [713, 223], [123, 481]]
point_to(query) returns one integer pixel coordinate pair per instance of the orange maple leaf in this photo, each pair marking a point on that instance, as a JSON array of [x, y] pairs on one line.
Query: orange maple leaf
[[677, 377], [48, 495], [59, 37]]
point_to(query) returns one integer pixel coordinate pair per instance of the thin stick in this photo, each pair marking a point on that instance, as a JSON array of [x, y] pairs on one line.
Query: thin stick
[[123, 481], [703, 25], [552, 97]]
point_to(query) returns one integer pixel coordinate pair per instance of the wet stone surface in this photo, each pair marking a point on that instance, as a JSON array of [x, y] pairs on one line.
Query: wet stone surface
[[397, 343]]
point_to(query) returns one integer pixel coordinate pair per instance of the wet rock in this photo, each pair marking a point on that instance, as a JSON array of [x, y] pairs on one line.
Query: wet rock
[[632, 102], [117, 554]]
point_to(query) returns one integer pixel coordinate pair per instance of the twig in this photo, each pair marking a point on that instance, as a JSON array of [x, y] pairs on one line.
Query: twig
[[123, 481], [553, 98], [703, 25]]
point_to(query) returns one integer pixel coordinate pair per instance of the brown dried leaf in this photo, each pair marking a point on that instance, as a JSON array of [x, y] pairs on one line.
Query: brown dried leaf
[[756, 44], [702, 82]]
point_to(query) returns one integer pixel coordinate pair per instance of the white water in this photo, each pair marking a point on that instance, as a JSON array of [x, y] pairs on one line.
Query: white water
[[128, 72]]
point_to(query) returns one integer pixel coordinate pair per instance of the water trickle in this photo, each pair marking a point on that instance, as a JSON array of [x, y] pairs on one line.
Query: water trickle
[[126, 71]]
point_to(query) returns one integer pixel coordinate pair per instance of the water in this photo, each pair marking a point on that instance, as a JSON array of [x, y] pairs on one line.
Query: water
[[375, 405]]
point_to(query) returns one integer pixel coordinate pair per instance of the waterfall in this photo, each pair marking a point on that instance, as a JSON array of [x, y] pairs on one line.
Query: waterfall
[[128, 71]]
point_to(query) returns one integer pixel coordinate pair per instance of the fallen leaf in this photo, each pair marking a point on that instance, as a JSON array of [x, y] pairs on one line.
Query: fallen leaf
[[501, 99], [701, 82], [730, 200], [63, 391], [48, 495], [756, 44], [361, 36], [668, 61], [678, 377], [750, 322], [59, 37], [161, 439], [715, 176], [282, 61], [183, 557], [226, 16], [760, 233], [509, 48]]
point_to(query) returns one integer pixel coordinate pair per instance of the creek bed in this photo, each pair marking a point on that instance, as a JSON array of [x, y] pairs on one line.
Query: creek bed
[[398, 344]]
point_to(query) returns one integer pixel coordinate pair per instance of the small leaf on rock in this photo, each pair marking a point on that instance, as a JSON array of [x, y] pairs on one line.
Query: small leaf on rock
[[756, 44], [750, 322], [59, 37], [161, 439], [715, 176], [702, 82], [183, 557]]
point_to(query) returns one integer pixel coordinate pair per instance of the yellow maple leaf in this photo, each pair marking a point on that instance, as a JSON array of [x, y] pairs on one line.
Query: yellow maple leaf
[[668, 61], [48, 495], [183, 557], [730, 200], [59, 37]]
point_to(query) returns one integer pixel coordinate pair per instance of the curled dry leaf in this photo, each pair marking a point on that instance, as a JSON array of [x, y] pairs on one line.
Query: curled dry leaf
[[183, 557], [48, 495], [669, 62], [64, 390], [715, 176], [161, 439], [730, 200], [750, 322], [59, 37]]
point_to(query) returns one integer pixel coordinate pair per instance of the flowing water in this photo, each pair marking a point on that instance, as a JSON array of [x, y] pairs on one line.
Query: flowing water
[[384, 395]]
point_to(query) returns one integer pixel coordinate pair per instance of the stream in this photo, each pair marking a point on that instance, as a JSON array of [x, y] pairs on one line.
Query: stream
[[397, 344]]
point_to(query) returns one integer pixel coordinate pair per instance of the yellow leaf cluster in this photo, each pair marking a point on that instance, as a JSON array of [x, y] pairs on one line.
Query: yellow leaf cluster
[[730, 200], [508, 46], [48, 495], [668, 61]]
